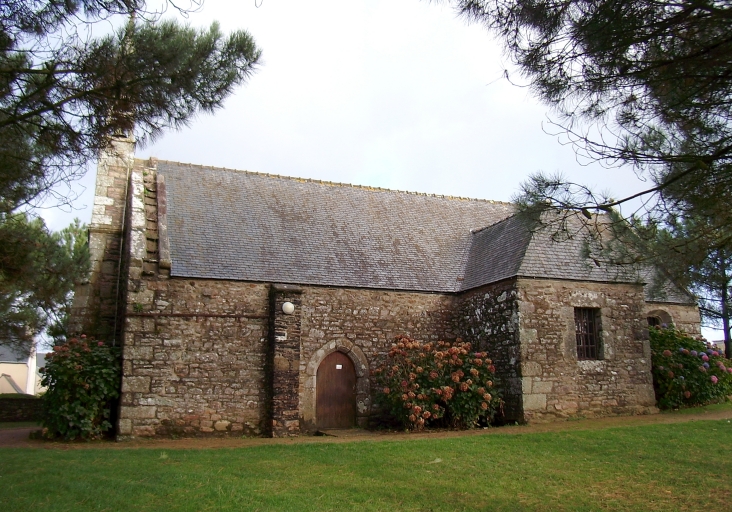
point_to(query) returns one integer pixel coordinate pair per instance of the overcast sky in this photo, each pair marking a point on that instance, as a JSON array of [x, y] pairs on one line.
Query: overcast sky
[[399, 94]]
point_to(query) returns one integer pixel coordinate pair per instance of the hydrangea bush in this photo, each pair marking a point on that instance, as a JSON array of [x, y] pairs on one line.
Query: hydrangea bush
[[83, 379], [431, 384], [686, 372]]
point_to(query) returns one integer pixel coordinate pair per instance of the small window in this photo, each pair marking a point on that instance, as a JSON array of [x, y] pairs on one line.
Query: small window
[[587, 329], [654, 321], [659, 317]]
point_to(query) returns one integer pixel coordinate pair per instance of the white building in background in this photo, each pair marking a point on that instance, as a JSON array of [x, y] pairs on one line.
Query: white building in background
[[19, 374]]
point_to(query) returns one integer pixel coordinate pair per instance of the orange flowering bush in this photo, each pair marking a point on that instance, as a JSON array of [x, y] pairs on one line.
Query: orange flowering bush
[[423, 384], [83, 379]]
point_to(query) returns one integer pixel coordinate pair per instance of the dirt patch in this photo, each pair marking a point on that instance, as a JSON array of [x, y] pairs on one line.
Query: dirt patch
[[16, 437], [19, 437]]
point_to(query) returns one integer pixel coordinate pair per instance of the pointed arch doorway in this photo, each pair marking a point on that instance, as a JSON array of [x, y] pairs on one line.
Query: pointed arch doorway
[[335, 399]]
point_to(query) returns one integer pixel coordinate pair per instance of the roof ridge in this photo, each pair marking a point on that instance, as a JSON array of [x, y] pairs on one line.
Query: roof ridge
[[334, 183]]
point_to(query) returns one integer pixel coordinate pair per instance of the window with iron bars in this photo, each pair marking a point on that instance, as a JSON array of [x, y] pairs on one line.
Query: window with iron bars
[[587, 329]]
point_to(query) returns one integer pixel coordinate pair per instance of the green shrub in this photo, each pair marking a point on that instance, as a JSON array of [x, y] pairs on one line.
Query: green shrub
[[437, 384], [686, 372], [83, 379]]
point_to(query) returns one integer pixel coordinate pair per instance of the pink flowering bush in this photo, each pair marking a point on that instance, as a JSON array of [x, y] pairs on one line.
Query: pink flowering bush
[[686, 372], [83, 379], [432, 384]]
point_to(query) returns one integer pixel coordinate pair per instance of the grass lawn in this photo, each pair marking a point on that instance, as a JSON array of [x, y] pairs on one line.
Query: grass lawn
[[724, 406], [683, 466]]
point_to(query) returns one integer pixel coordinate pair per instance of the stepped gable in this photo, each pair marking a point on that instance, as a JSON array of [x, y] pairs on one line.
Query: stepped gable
[[226, 224]]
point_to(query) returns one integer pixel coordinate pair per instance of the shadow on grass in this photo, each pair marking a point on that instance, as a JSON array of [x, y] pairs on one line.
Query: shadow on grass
[[726, 406]]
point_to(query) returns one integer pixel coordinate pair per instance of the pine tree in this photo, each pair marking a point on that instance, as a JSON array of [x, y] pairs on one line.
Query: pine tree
[[38, 272], [697, 251], [653, 78], [64, 94]]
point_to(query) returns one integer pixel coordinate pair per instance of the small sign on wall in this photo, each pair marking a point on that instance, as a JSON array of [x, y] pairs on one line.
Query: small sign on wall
[[339, 367]]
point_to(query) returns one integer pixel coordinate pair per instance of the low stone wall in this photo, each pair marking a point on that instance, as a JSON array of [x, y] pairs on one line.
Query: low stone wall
[[20, 409]]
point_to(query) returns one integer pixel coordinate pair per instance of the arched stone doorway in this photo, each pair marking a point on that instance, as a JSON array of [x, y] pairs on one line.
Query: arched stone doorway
[[308, 398]]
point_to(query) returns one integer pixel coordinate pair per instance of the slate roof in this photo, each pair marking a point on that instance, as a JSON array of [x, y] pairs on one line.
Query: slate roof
[[512, 248], [661, 289], [496, 252], [226, 224]]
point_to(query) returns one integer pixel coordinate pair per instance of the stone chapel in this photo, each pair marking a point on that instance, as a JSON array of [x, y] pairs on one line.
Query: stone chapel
[[256, 304]]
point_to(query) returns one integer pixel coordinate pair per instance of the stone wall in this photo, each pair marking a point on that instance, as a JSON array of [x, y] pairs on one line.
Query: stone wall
[[215, 357], [684, 316], [194, 350], [363, 324], [282, 371], [22, 408], [187, 373], [193, 360], [96, 307], [488, 318], [555, 384]]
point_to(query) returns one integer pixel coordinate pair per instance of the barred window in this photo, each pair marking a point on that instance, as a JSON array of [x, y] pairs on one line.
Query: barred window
[[587, 328], [653, 321]]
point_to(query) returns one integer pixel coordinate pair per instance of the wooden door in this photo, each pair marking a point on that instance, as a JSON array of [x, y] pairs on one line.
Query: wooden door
[[335, 400]]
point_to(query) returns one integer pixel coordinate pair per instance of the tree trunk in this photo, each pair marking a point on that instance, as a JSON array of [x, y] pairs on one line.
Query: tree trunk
[[725, 322], [725, 304]]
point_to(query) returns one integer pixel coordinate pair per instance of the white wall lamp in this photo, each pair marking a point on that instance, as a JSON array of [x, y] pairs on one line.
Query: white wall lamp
[[288, 308]]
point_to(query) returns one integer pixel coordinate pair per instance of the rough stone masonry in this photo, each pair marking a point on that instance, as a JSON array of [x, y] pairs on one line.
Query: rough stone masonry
[[191, 267]]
